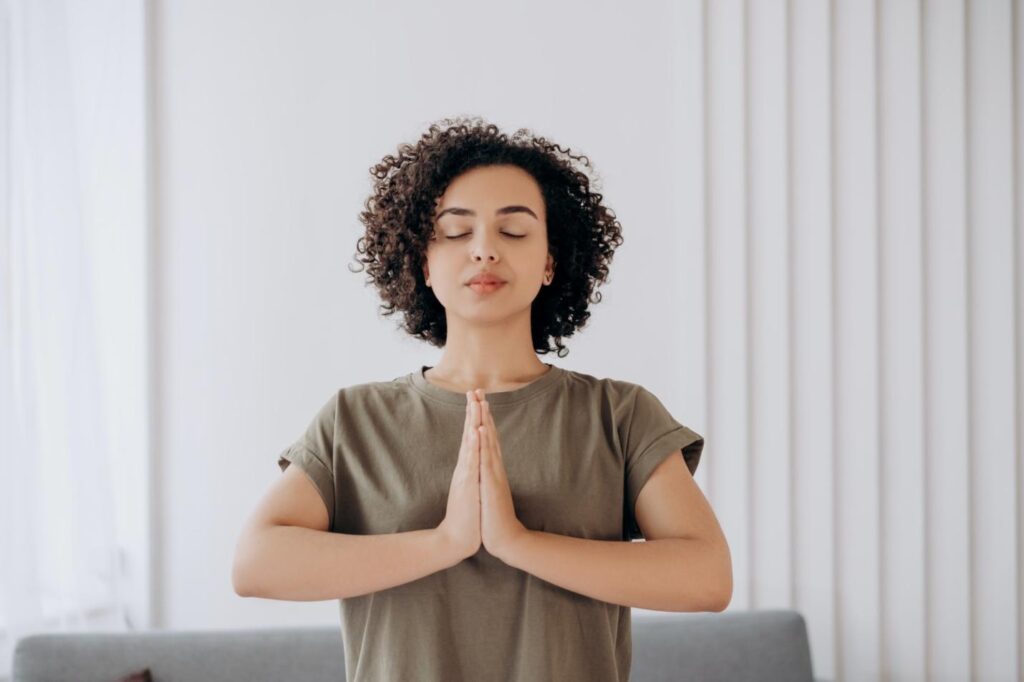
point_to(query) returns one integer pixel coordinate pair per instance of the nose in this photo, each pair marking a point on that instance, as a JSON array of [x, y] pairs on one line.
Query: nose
[[484, 248]]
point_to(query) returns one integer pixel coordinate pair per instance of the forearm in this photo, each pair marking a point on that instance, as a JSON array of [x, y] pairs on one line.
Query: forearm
[[302, 564], [669, 574]]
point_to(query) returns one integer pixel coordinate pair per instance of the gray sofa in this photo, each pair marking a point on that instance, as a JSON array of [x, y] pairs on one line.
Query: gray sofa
[[735, 646]]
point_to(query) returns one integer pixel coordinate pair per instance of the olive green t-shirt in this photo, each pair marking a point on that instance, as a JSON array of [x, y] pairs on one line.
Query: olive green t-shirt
[[577, 450]]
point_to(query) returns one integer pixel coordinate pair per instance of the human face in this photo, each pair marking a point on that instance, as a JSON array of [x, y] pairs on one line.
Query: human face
[[492, 219]]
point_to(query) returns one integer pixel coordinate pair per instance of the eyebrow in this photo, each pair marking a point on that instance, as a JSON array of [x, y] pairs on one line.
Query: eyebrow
[[455, 210]]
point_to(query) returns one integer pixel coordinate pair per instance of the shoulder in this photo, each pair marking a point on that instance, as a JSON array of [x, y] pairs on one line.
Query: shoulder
[[626, 402], [366, 395], [614, 390]]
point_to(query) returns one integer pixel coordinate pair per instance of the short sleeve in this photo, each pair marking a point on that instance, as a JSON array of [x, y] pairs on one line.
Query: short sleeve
[[313, 452], [651, 435]]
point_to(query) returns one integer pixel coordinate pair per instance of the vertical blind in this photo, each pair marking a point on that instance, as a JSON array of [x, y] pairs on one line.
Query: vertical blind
[[849, 225]]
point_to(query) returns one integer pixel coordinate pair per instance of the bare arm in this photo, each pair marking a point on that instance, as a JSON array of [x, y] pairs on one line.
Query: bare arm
[[684, 564], [303, 564], [669, 574], [286, 550]]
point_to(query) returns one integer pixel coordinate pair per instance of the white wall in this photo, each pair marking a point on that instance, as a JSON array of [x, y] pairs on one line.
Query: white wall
[[824, 195], [267, 118]]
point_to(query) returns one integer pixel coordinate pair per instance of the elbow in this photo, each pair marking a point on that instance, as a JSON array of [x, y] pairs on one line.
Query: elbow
[[242, 565], [238, 582], [719, 601], [723, 602], [712, 590], [242, 576], [716, 597], [725, 595]]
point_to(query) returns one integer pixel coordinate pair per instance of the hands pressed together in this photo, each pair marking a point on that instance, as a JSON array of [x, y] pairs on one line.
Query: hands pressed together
[[480, 509]]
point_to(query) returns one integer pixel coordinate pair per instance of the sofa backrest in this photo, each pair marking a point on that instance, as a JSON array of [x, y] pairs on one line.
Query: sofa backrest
[[735, 646]]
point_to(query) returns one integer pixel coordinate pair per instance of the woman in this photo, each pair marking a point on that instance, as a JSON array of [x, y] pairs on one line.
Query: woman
[[476, 510]]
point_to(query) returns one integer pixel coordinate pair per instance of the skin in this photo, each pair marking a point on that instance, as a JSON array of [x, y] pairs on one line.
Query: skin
[[489, 348], [500, 528], [489, 345]]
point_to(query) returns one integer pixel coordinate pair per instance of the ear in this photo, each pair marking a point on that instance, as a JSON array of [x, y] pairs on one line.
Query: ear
[[426, 273]]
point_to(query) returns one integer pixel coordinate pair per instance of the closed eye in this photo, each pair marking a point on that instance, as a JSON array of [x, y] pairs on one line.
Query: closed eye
[[514, 236]]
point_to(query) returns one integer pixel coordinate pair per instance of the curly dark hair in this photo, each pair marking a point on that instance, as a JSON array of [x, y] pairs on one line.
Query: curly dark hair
[[582, 233]]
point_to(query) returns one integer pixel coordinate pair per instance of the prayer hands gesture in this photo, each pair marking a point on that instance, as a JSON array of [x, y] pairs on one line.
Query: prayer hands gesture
[[480, 509]]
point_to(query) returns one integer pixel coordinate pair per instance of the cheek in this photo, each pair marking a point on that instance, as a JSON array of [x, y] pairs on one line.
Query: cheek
[[444, 269], [438, 259]]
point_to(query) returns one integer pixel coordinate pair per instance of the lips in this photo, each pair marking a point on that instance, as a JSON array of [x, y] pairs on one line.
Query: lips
[[486, 287], [485, 279]]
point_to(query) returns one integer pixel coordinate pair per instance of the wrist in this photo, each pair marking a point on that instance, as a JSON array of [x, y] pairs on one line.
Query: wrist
[[510, 551], [447, 547]]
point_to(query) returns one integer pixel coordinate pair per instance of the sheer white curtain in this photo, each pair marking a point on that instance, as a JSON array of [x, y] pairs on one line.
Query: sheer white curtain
[[70, 225]]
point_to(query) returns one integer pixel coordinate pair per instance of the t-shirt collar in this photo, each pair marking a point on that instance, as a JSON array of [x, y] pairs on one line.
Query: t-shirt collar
[[420, 383]]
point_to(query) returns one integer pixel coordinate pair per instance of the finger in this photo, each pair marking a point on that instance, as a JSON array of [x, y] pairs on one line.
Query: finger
[[479, 394], [479, 426], [495, 450], [491, 426], [466, 453], [485, 418], [475, 450], [476, 455], [472, 439], [481, 453], [485, 451], [492, 431], [473, 406], [470, 414]]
